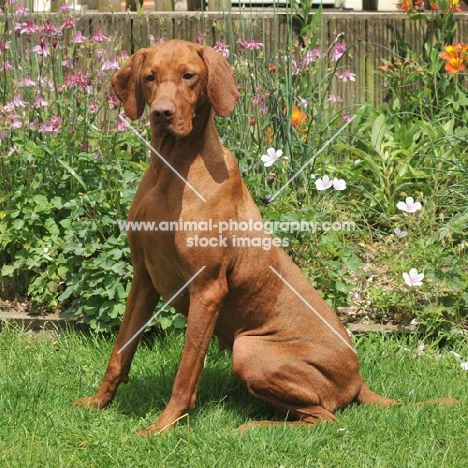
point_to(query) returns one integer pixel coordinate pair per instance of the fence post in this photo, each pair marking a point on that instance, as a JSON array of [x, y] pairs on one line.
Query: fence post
[[219, 5], [109, 5], [164, 5], [193, 5], [370, 5]]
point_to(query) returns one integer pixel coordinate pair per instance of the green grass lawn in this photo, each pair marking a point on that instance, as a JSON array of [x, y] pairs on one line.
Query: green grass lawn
[[42, 374]]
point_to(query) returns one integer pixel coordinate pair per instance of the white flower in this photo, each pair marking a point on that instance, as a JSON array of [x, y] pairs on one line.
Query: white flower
[[420, 351], [413, 278], [339, 184], [400, 233], [409, 205], [323, 183], [464, 365], [271, 157]]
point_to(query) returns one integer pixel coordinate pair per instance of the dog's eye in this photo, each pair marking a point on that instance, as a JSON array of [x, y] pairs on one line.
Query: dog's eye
[[149, 78], [188, 76]]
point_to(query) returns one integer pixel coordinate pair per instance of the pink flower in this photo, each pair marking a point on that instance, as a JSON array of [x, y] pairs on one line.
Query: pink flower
[[42, 49], [18, 102], [46, 127], [409, 205], [79, 38], [28, 82], [9, 108], [251, 45], [294, 68], [413, 278], [15, 124], [5, 45], [64, 8], [29, 27], [110, 65], [346, 76], [338, 50], [68, 23], [121, 126], [334, 98], [49, 29], [34, 125], [99, 54], [76, 79], [312, 56], [323, 183], [51, 127], [93, 107], [222, 48], [21, 10], [346, 117], [39, 102], [98, 37], [7, 66]]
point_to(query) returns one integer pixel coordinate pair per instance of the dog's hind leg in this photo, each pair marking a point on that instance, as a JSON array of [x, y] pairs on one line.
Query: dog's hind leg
[[283, 377]]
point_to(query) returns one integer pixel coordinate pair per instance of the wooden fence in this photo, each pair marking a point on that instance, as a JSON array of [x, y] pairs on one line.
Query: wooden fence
[[369, 36]]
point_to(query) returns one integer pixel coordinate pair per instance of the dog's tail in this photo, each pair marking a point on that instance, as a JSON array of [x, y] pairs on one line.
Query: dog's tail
[[367, 397]]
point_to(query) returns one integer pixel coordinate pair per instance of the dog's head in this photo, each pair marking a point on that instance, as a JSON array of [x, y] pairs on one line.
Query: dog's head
[[175, 79]]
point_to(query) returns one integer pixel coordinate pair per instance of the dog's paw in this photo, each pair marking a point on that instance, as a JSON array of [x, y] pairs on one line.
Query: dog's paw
[[150, 431], [89, 402]]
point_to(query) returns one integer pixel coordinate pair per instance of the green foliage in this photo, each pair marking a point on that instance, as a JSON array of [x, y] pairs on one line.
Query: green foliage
[[69, 172]]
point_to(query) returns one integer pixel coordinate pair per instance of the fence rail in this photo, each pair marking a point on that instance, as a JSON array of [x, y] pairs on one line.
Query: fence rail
[[369, 36]]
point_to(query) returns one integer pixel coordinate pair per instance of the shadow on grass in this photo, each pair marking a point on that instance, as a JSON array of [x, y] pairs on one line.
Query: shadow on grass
[[148, 392]]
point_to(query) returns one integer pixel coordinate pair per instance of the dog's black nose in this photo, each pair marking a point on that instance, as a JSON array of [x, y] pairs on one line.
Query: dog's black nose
[[163, 110]]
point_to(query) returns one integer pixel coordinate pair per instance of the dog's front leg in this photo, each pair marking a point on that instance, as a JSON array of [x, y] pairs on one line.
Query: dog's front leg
[[203, 314], [141, 302]]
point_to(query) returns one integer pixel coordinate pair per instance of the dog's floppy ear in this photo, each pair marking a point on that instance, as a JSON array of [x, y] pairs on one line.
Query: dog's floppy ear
[[221, 88], [125, 84]]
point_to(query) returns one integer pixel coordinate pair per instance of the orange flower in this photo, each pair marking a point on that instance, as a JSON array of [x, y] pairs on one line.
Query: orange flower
[[272, 68], [410, 5], [454, 66], [297, 117], [268, 135], [405, 5], [455, 55], [454, 6]]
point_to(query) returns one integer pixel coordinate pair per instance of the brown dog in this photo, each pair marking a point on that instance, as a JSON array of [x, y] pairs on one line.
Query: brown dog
[[288, 346]]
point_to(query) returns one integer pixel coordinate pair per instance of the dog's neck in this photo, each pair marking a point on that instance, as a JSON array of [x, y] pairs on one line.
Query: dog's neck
[[202, 141]]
